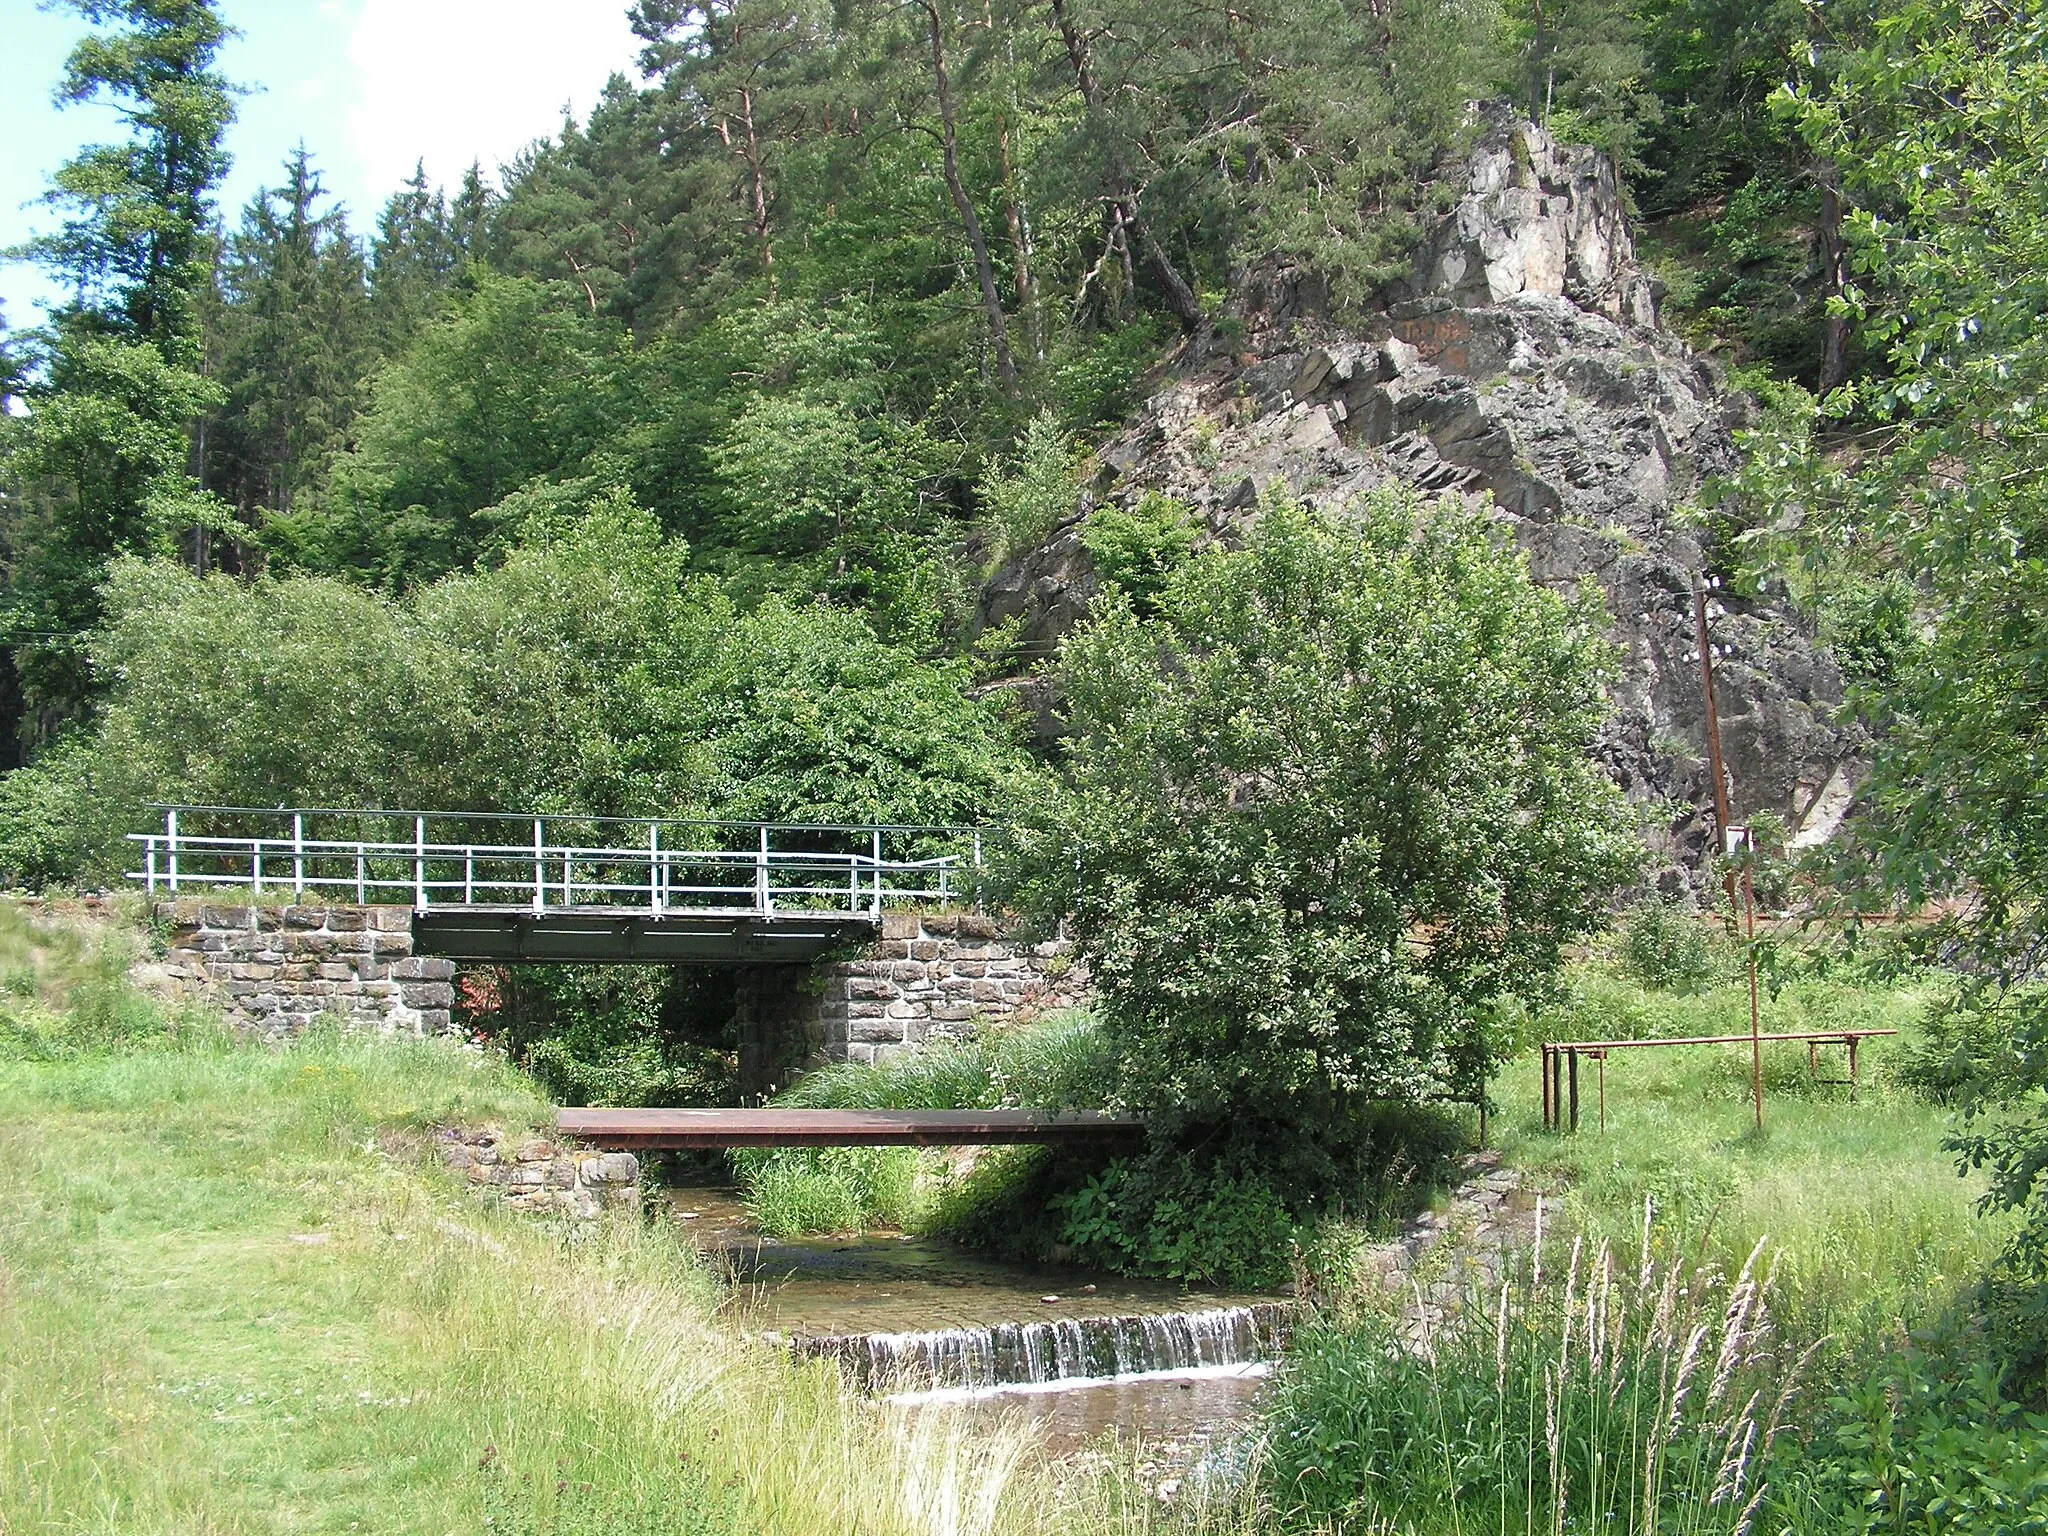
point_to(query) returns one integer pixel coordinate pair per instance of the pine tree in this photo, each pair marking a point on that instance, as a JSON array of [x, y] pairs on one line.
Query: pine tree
[[294, 345], [413, 261]]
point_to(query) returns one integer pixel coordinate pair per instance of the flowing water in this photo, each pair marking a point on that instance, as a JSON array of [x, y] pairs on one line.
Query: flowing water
[[1080, 1354]]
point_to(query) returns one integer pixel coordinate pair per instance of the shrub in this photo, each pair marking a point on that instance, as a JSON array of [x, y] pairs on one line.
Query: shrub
[[1325, 743], [1663, 945], [1920, 1445]]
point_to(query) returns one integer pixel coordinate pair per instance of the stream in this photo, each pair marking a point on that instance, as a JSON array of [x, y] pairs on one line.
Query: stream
[[1080, 1355]]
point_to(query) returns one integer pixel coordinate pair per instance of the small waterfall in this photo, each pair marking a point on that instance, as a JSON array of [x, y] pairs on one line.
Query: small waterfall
[[1057, 1349]]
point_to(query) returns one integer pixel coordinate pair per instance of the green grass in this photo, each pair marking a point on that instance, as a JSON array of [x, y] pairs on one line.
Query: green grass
[[1873, 1224], [1057, 1063], [238, 1295]]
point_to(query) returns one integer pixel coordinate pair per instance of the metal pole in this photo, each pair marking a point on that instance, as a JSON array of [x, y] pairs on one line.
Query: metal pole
[[1602, 1059], [362, 894], [171, 831], [298, 856], [149, 864], [761, 898], [877, 908], [540, 900], [1574, 1055], [1853, 1042], [978, 882], [1756, 1047], [469, 874], [568, 880], [654, 865], [1714, 763], [256, 866], [419, 861]]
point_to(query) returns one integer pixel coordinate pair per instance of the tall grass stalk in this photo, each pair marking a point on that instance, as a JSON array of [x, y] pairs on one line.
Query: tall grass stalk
[[1642, 1403]]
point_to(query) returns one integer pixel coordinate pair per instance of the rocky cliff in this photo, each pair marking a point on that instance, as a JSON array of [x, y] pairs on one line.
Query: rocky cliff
[[1521, 362]]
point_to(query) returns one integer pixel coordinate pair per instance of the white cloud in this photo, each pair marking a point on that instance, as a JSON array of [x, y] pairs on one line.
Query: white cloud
[[453, 81]]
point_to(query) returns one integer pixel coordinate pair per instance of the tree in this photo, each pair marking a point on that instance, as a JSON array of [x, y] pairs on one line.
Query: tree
[[414, 261], [136, 247], [97, 467], [293, 344], [1324, 811], [1936, 473]]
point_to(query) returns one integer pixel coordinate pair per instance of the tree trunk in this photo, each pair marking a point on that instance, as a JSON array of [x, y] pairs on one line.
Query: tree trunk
[[1180, 297], [1020, 250], [1834, 276], [984, 272]]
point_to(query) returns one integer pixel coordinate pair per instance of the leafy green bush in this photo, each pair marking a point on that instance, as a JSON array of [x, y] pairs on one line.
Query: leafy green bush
[[1139, 550], [1180, 1219], [1663, 945], [1929, 1446], [1331, 740]]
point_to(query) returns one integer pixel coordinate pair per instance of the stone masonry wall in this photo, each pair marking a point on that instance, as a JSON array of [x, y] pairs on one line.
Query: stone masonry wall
[[940, 977], [275, 969], [530, 1173]]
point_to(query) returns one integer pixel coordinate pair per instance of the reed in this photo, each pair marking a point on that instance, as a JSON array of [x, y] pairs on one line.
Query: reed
[[1624, 1394]]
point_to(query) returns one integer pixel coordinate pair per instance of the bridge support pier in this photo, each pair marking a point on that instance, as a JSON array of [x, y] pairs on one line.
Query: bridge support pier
[[777, 1017]]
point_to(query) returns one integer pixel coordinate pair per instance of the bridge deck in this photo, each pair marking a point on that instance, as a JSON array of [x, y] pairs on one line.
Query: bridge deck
[[670, 937], [653, 1129]]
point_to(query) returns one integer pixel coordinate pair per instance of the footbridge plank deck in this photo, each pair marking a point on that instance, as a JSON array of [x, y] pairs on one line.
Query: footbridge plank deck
[[655, 1129]]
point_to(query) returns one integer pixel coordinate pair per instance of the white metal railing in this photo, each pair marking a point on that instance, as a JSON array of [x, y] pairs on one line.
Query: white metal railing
[[462, 859]]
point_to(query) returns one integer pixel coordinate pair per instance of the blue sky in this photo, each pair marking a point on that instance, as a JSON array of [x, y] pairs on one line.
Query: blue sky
[[369, 86]]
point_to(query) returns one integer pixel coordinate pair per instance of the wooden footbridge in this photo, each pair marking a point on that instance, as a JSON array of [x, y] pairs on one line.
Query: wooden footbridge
[[575, 888], [663, 1129]]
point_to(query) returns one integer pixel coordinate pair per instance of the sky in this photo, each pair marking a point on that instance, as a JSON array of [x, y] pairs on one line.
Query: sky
[[369, 86]]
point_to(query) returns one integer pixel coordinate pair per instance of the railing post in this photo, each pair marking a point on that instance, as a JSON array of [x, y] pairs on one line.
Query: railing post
[[568, 880], [762, 901], [298, 856], [540, 892], [149, 863], [469, 874], [979, 882], [654, 865], [419, 861], [876, 908], [362, 874], [256, 866], [171, 832]]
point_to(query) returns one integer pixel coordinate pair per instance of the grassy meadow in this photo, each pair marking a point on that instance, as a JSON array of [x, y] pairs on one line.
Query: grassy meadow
[[237, 1295]]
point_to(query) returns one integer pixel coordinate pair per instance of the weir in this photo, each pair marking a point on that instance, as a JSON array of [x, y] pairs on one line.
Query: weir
[[1072, 1351]]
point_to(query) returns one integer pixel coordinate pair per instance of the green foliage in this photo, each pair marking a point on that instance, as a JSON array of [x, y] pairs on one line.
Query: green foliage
[[828, 1189], [291, 338], [1181, 1219], [1057, 1063], [1664, 945], [1139, 548], [1926, 1445], [644, 695], [1326, 744], [1948, 497], [1026, 496], [135, 249]]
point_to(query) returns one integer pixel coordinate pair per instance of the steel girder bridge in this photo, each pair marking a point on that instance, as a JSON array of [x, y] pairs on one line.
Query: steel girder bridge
[[489, 886]]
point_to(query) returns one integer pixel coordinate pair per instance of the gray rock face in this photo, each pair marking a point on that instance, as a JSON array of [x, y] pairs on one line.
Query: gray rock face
[[1521, 365]]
